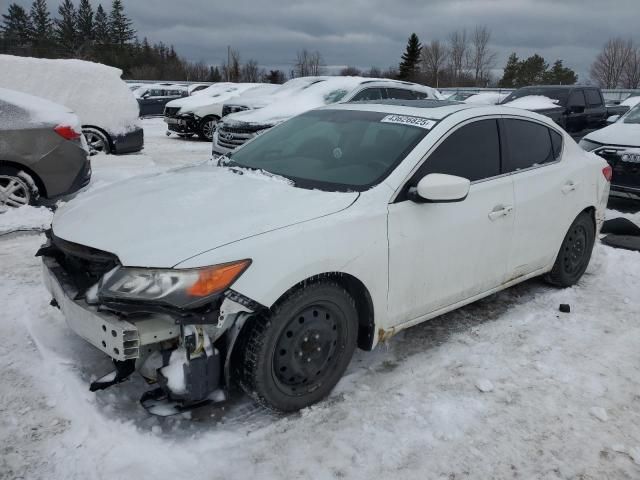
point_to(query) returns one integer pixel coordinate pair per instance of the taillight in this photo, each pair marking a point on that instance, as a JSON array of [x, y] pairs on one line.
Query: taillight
[[67, 132], [607, 172]]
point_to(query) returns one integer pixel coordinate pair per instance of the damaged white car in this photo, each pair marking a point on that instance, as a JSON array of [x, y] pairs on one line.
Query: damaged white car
[[331, 231]]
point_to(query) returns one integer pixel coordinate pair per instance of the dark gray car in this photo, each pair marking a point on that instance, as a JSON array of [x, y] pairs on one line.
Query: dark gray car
[[42, 154]]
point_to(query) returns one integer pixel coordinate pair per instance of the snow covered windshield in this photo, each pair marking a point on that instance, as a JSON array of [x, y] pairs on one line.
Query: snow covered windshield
[[633, 115], [334, 149]]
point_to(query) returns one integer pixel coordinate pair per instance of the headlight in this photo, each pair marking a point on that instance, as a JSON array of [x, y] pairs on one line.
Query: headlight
[[588, 145], [177, 287]]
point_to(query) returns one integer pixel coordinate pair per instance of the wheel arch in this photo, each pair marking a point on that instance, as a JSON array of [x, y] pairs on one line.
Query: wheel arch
[[42, 189], [105, 133]]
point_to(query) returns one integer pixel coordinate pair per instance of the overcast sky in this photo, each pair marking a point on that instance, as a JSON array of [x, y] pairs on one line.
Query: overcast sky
[[368, 33]]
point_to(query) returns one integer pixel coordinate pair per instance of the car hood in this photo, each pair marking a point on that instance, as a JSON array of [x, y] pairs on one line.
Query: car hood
[[194, 101], [164, 219], [626, 134]]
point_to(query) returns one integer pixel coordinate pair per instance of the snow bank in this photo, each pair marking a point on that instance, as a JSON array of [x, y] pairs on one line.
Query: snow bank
[[487, 98], [93, 91], [25, 218], [533, 102], [39, 110]]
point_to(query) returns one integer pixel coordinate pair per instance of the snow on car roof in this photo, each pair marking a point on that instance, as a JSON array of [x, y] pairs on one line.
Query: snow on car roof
[[533, 102], [95, 92], [38, 110], [328, 91], [220, 92]]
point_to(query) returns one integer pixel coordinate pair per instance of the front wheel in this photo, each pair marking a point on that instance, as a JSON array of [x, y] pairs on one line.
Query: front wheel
[[294, 357], [207, 127], [16, 189], [575, 252]]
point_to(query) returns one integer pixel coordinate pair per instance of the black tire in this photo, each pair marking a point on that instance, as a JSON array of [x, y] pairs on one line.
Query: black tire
[[575, 252], [207, 127], [97, 141], [293, 357], [16, 189]]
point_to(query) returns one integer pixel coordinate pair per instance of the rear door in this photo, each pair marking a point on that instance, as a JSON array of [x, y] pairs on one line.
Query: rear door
[[576, 113], [596, 111], [443, 253], [546, 191]]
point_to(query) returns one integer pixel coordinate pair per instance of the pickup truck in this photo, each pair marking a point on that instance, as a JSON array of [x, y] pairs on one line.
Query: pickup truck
[[579, 109]]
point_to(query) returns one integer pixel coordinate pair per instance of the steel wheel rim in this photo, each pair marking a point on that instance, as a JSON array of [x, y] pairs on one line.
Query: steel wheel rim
[[96, 142], [308, 349], [14, 192], [208, 128], [575, 250]]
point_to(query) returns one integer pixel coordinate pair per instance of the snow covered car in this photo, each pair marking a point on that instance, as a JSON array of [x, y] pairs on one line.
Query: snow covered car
[[42, 154], [335, 229], [200, 113], [619, 145], [237, 128], [95, 92], [152, 98]]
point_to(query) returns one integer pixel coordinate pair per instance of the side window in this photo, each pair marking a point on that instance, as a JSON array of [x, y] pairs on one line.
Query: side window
[[368, 94], [472, 151], [593, 97], [419, 95], [400, 94], [576, 99], [529, 145], [556, 142]]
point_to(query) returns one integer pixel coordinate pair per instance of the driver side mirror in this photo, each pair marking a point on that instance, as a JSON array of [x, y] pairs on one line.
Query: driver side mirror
[[440, 188], [146, 95], [613, 118]]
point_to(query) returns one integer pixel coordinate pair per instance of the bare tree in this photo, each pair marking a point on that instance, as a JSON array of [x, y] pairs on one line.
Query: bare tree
[[307, 63], [479, 57], [610, 63], [631, 73], [373, 72], [250, 72], [350, 71], [457, 55], [434, 57], [231, 71]]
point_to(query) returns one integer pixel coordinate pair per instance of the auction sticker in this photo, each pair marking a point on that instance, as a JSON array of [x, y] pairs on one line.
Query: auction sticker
[[408, 120]]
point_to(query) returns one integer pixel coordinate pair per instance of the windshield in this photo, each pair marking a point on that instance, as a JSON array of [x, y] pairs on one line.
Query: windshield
[[559, 94], [633, 115], [334, 150]]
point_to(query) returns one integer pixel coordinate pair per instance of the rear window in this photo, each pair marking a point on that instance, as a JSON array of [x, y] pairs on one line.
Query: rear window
[[529, 145]]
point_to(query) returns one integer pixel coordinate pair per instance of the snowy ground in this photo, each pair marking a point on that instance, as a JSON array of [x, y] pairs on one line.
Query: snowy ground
[[506, 388]]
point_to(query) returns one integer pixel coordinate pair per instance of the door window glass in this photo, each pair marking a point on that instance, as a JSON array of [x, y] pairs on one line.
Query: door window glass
[[529, 145]]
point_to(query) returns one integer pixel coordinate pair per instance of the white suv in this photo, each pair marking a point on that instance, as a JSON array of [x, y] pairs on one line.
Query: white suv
[[237, 128], [332, 231]]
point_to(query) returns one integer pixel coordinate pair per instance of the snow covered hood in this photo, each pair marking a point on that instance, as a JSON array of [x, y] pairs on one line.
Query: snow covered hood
[[258, 98], [93, 91], [218, 93], [161, 220], [626, 134], [39, 110], [533, 102]]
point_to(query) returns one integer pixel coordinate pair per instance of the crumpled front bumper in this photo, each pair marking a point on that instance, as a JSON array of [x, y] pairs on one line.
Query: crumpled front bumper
[[121, 339]]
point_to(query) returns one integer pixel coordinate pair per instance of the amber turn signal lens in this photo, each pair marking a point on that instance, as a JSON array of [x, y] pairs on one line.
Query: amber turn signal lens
[[217, 278]]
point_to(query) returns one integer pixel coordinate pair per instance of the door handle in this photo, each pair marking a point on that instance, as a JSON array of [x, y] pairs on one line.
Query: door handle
[[570, 186], [500, 211]]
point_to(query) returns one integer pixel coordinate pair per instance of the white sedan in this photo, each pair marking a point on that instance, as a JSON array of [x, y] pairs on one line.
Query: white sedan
[[331, 231]]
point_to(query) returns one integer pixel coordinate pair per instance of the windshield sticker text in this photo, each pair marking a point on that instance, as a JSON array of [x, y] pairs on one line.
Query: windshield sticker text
[[407, 120]]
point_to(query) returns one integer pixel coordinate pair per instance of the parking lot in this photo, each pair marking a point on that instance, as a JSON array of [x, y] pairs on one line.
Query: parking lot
[[507, 387]]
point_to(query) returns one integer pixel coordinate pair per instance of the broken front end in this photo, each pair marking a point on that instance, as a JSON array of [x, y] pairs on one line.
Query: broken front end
[[177, 328]]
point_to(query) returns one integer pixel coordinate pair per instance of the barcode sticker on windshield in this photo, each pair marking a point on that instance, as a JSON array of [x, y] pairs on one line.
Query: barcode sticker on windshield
[[407, 120]]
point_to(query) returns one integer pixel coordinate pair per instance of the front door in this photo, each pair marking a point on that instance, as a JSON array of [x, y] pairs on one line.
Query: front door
[[443, 253]]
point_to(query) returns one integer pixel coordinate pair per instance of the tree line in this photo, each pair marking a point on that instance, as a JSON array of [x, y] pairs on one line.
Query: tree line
[[617, 65]]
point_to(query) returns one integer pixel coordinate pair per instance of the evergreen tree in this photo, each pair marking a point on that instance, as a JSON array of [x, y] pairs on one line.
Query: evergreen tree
[[41, 24], [84, 21], [214, 75], [531, 71], [65, 29], [560, 75], [120, 27], [16, 24], [101, 27], [510, 72], [410, 59]]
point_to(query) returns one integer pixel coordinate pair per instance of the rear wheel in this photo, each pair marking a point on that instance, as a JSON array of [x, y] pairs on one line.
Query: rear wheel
[[207, 127], [16, 189], [294, 357], [96, 140], [575, 252]]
